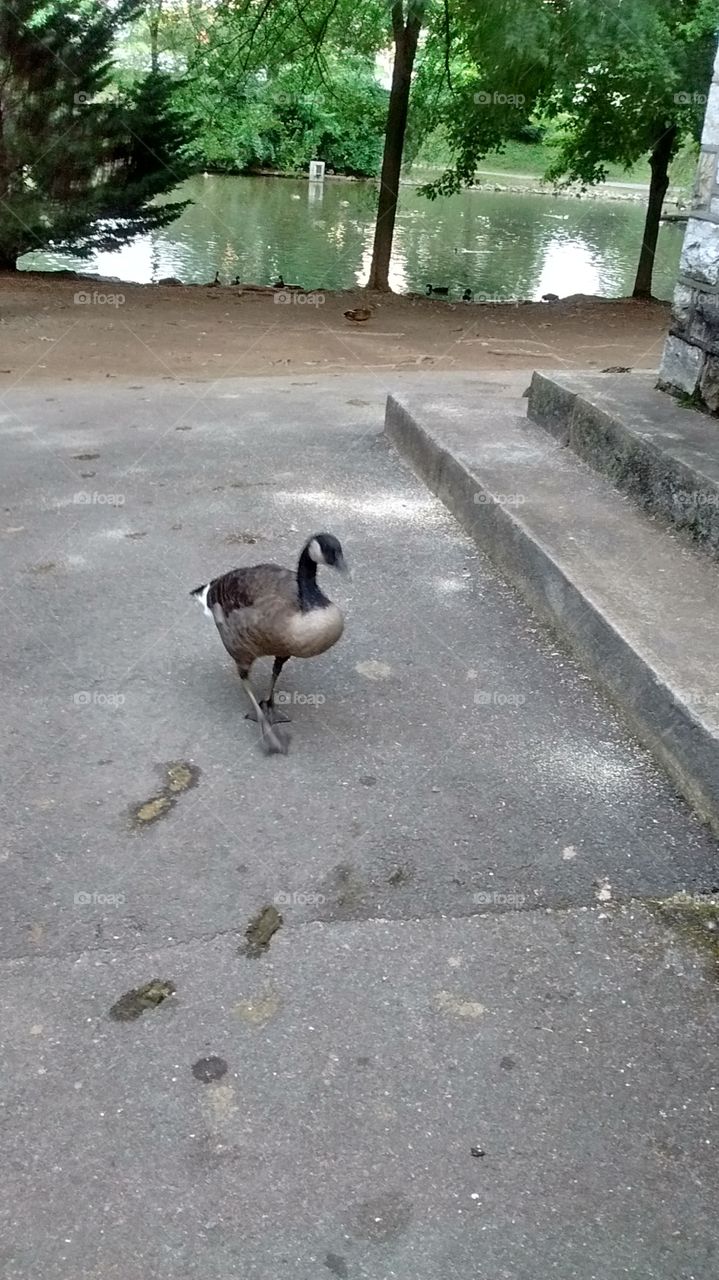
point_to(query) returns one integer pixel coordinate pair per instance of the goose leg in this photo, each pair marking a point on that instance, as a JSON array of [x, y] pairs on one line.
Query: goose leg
[[273, 743], [273, 715], [267, 704]]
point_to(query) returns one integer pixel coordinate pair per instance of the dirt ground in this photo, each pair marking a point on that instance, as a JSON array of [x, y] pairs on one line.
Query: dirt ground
[[53, 327]]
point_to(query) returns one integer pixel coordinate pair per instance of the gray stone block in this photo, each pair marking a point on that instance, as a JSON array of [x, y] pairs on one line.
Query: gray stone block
[[703, 328], [704, 179], [707, 306], [664, 455], [681, 365], [700, 253], [709, 383], [710, 131], [683, 306]]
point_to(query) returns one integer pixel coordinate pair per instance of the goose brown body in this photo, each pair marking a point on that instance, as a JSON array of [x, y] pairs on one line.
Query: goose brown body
[[259, 613], [268, 611]]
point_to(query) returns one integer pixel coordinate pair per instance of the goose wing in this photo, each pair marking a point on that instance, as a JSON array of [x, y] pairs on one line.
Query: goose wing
[[252, 608]]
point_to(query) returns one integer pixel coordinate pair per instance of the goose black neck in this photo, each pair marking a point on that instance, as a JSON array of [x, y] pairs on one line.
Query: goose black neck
[[311, 596]]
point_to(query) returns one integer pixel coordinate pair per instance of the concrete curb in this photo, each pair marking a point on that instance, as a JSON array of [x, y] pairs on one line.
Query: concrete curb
[[679, 736], [665, 456]]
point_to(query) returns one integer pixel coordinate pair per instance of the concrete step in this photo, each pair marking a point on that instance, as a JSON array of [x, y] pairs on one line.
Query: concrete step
[[633, 599], [664, 454]]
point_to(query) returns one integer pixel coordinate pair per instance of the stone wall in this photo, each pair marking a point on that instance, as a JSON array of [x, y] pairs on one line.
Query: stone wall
[[690, 364]]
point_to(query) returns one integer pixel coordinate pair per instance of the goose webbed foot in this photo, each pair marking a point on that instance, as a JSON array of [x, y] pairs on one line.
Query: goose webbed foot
[[271, 713], [274, 741]]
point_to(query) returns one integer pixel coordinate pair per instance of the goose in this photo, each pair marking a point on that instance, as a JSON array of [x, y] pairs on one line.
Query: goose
[[265, 610], [358, 314], [441, 290], [467, 295]]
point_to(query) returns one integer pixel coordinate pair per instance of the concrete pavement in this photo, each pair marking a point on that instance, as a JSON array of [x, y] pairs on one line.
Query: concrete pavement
[[453, 777]]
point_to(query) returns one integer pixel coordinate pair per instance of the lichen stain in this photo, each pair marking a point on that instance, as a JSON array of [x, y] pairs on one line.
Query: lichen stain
[[136, 1001], [457, 1006], [260, 932], [374, 670], [179, 776], [696, 918], [258, 1010], [219, 1106], [151, 810]]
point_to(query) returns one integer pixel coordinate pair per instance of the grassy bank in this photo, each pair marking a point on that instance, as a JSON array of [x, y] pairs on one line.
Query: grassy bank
[[534, 159]]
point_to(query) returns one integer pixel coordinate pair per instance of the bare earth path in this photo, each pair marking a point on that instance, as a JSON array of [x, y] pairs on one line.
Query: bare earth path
[[138, 331]]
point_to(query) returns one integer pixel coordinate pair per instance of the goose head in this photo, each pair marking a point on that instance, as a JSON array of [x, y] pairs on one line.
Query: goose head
[[324, 548]]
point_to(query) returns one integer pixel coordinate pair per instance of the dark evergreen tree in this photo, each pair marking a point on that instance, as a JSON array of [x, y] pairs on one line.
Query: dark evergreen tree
[[80, 163]]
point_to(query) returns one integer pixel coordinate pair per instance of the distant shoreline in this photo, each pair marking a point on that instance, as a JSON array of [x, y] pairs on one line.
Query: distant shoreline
[[522, 184]]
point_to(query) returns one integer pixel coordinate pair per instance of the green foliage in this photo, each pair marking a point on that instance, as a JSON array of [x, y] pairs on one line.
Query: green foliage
[[285, 120], [638, 80], [615, 77], [280, 85], [483, 79], [79, 164]]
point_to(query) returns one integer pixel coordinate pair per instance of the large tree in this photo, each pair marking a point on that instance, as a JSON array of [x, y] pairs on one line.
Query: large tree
[[80, 163], [640, 96], [625, 81], [406, 27]]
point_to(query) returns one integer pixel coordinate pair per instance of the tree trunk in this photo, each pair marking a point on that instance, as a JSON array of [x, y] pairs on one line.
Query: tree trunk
[[406, 35], [659, 164], [153, 21]]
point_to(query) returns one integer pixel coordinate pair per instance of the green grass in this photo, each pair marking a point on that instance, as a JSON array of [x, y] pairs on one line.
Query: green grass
[[534, 158]]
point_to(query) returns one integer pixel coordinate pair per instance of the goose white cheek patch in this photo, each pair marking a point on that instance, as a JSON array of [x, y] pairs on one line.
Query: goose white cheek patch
[[203, 600], [315, 552]]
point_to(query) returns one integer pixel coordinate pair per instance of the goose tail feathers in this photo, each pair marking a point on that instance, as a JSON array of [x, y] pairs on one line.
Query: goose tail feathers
[[200, 594]]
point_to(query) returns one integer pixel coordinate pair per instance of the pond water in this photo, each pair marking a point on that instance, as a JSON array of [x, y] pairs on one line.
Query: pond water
[[319, 235]]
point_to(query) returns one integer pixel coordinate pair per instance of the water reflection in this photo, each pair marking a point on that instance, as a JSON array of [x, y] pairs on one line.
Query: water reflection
[[320, 235], [573, 263]]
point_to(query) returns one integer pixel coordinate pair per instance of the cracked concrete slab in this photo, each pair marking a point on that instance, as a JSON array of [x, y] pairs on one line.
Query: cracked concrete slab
[[367, 1065], [314, 1111]]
